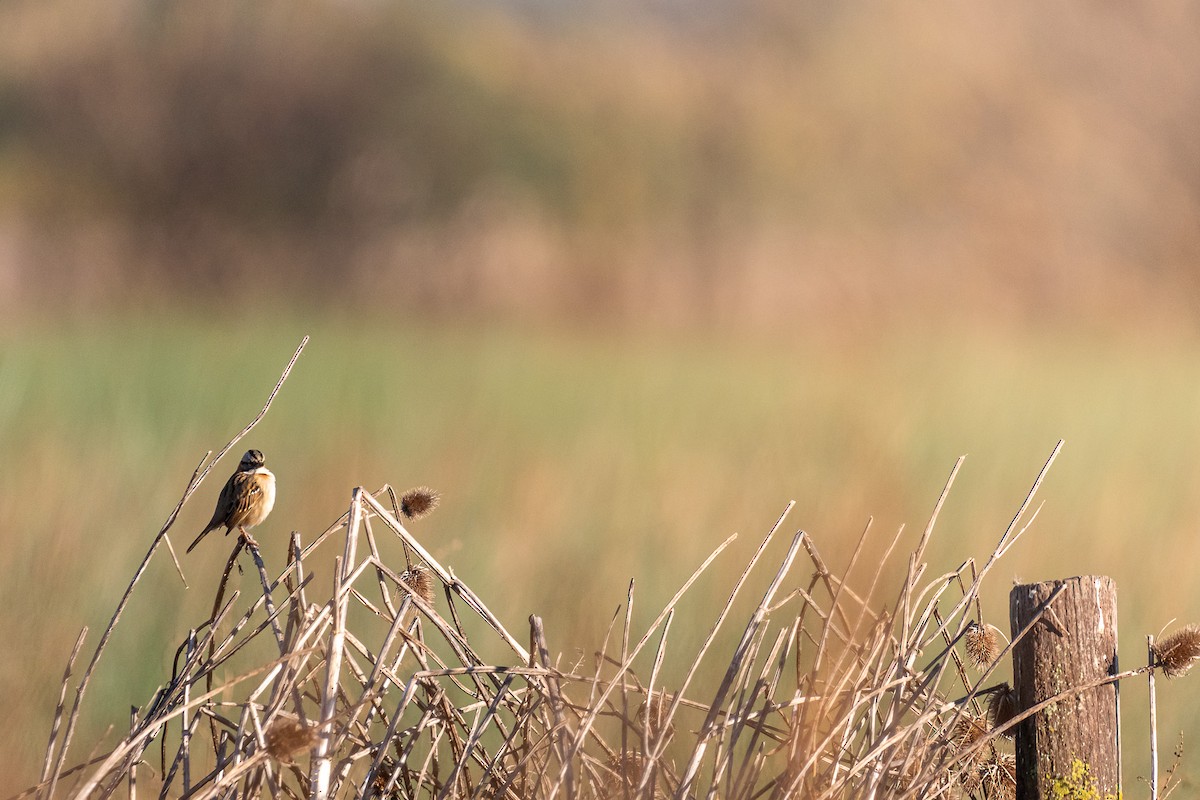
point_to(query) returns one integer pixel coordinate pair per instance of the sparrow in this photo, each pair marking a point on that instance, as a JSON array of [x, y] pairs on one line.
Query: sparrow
[[246, 500]]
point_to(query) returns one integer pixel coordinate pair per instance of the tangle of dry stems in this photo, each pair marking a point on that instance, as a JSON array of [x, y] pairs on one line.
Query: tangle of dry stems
[[379, 688]]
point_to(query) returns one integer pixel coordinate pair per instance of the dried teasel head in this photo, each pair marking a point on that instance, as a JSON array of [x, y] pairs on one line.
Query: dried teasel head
[[1002, 707], [418, 502], [995, 776], [1178, 652], [420, 579], [623, 776], [383, 777], [286, 737], [982, 644], [967, 732], [652, 714]]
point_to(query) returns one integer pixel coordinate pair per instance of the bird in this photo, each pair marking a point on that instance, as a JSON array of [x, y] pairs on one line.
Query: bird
[[246, 499]]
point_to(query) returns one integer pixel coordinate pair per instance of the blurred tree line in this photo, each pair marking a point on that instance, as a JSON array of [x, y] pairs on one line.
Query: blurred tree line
[[753, 160]]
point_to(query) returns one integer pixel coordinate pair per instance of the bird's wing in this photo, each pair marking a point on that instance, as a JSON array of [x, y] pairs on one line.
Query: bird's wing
[[225, 505], [246, 496]]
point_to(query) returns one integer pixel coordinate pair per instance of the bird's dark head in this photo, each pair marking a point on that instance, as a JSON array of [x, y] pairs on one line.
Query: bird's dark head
[[251, 461]]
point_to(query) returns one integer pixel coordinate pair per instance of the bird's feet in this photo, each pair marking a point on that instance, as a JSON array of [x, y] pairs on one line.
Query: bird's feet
[[247, 538]]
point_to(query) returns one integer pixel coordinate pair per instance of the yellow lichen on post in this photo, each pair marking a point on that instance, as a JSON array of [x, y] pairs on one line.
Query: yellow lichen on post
[[1078, 785]]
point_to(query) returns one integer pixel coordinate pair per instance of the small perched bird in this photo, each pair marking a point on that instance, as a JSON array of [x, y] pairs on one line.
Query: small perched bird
[[248, 496]]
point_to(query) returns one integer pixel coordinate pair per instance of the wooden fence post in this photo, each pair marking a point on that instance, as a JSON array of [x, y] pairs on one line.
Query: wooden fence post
[[1071, 747]]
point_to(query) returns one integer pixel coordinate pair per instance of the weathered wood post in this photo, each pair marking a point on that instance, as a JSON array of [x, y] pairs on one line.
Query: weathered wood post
[[1070, 748]]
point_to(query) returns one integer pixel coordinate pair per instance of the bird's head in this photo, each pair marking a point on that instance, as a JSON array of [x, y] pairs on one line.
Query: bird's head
[[251, 461]]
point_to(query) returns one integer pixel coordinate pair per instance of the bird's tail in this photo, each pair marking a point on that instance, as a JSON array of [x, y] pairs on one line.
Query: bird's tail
[[203, 533]]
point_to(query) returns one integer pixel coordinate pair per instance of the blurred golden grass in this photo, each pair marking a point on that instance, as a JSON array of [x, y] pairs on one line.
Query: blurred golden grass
[[569, 463]]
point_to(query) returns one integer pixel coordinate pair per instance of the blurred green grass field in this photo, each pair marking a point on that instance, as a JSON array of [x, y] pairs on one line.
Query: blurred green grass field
[[570, 463]]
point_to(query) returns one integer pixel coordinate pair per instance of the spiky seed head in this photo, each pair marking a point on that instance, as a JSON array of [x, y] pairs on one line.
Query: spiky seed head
[[652, 714], [418, 502], [982, 645], [627, 765], [624, 774], [965, 734], [1002, 707], [967, 731], [420, 579], [286, 737], [996, 776], [384, 775], [1178, 652]]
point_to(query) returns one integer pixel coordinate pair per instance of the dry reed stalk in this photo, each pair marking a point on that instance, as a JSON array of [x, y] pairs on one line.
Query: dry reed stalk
[[48, 762], [735, 664], [1154, 657]]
